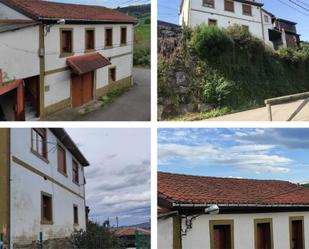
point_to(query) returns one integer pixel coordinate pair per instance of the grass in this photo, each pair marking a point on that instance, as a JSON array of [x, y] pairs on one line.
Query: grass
[[109, 97], [142, 38]]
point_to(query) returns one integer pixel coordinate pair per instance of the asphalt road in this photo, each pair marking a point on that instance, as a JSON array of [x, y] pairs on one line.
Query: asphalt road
[[133, 105], [280, 113]]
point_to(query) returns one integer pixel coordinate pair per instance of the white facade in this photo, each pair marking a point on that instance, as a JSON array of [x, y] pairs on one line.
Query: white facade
[[27, 184], [199, 236]]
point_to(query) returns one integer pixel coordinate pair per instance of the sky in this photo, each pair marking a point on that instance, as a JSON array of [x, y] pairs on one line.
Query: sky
[[168, 11], [107, 3], [118, 178], [241, 153]]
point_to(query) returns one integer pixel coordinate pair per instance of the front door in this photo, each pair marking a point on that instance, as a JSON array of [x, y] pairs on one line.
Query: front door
[[82, 89]]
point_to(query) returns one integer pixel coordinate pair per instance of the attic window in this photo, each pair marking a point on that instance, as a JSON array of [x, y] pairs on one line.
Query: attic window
[[123, 39], [109, 37], [229, 5], [46, 208], [89, 36], [209, 3], [66, 42], [247, 10]]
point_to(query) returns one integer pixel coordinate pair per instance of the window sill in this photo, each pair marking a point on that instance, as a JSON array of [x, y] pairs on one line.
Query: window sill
[[77, 183], [211, 7], [246, 14], [76, 225], [89, 50], [123, 44], [63, 173], [44, 222], [108, 47], [39, 156], [63, 55]]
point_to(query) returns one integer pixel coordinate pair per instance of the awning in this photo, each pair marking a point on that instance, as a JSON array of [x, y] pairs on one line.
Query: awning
[[86, 63]]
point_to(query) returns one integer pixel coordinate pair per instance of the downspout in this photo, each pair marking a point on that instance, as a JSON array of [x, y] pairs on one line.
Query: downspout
[[42, 70]]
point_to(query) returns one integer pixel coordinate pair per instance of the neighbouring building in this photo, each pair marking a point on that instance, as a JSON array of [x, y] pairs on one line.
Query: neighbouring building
[[42, 185], [58, 55], [134, 237], [221, 213], [246, 13]]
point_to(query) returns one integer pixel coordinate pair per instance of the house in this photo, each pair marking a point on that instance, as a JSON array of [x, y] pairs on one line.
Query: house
[[42, 185], [58, 55], [134, 237], [246, 13], [221, 213]]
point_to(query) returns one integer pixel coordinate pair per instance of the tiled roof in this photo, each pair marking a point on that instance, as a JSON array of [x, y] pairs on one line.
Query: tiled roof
[[186, 189], [38, 9], [130, 231]]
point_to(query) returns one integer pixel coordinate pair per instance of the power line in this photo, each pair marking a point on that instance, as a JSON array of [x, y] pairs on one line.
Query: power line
[[292, 7], [306, 4], [297, 4]]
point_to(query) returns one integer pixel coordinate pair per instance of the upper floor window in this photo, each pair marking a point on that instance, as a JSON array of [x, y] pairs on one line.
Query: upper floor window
[[123, 39], [66, 42], [108, 37], [46, 208], [62, 167], [297, 238], [266, 18], [75, 172], [229, 5], [39, 142], [221, 234], [247, 10], [209, 3], [263, 233], [90, 39]]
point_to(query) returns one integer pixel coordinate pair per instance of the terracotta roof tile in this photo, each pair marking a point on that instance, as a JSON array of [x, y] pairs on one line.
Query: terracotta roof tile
[[38, 9], [211, 190], [130, 231]]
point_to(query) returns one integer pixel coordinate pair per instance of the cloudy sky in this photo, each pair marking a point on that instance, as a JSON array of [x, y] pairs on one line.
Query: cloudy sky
[[245, 153], [107, 3], [118, 180]]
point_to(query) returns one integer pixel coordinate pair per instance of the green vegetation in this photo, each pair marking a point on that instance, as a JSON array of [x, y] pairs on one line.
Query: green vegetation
[[306, 185], [231, 69], [109, 97]]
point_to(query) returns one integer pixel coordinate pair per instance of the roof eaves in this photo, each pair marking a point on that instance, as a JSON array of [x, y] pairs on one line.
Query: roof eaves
[[20, 9]]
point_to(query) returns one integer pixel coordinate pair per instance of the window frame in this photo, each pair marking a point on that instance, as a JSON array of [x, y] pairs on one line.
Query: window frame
[[215, 22], [126, 37], [105, 36], [86, 40], [243, 12], [109, 75], [65, 172], [225, 5], [43, 220], [43, 157], [266, 17], [263, 221], [62, 53], [76, 163], [208, 5], [297, 218], [213, 223], [75, 207]]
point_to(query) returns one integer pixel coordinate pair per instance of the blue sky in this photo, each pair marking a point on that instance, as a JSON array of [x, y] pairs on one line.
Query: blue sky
[[168, 11], [245, 153], [107, 3]]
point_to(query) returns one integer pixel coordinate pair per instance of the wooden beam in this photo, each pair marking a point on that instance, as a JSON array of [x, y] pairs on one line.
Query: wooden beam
[[301, 106], [287, 99]]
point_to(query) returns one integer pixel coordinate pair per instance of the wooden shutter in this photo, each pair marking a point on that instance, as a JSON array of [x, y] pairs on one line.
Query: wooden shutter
[[229, 5], [247, 9], [61, 160]]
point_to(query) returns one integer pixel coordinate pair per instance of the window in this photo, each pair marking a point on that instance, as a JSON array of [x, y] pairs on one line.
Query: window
[[75, 172], [266, 18], [209, 3], [221, 234], [90, 39], [75, 214], [297, 233], [229, 5], [108, 37], [247, 10], [46, 208], [62, 166], [263, 234], [112, 74], [39, 142], [212, 22], [66, 42], [123, 36], [245, 27]]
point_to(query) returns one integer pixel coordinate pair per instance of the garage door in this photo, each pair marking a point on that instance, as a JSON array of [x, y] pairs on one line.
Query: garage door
[[82, 89]]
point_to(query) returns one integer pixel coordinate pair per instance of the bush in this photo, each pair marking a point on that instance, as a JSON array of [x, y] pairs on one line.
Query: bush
[[142, 57]]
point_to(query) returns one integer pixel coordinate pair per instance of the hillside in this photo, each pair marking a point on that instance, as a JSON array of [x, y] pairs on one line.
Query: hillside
[[306, 185], [138, 11]]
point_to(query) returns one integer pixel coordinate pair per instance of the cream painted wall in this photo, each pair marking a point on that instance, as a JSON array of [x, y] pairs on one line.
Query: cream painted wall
[[19, 57], [184, 17], [267, 25], [8, 13], [26, 190], [200, 14], [165, 233]]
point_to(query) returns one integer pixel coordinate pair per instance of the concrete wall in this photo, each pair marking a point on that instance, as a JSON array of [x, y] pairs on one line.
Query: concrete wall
[[198, 236], [19, 53], [201, 14], [165, 233], [8, 13], [26, 187]]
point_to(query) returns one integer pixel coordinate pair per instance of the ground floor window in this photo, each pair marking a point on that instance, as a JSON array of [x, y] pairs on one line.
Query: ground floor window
[[212, 22], [75, 214], [263, 234], [221, 234], [297, 233], [112, 74], [46, 208]]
